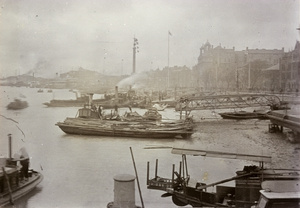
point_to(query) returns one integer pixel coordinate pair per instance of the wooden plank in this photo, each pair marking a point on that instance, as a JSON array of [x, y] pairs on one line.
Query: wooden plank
[[224, 153]]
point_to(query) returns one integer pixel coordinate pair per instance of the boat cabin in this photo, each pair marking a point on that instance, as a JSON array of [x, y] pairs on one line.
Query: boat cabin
[[273, 200], [87, 113]]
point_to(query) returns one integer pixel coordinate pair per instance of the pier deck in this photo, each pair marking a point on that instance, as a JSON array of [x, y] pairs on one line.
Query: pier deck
[[286, 118]]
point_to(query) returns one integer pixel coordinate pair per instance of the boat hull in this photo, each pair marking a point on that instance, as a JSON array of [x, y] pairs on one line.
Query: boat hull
[[238, 115], [75, 103], [98, 127], [17, 105], [24, 188], [123, 133]]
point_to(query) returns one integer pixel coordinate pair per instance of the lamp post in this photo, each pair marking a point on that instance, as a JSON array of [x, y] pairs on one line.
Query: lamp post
[[249, 70], [168, 81]]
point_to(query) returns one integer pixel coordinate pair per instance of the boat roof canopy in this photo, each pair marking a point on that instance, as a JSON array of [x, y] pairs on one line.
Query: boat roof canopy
[[285, 195], [229, 154]]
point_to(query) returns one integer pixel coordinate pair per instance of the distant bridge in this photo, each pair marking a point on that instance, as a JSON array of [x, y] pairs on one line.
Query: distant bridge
[[227, 101]]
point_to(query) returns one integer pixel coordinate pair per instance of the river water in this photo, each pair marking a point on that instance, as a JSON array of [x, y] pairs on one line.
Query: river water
[[78, 170]]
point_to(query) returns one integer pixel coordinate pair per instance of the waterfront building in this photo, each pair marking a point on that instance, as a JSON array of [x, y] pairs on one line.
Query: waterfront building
[[290, 70], [222, 68]]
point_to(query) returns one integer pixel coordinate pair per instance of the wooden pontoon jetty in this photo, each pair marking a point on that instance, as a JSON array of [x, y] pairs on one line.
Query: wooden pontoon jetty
[[285, 118]]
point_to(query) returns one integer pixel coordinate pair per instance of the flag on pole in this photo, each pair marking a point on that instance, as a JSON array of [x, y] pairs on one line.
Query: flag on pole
[[170, 33]]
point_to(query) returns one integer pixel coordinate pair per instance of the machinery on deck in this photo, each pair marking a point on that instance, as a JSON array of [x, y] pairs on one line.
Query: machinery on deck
[[185, 191]]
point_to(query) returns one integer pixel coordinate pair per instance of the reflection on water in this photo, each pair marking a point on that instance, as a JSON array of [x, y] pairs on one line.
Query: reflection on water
[[78, 170]]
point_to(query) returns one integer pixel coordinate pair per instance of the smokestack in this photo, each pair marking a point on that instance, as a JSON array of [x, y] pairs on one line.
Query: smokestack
[[9, 146], [116, 95], [135, 50]]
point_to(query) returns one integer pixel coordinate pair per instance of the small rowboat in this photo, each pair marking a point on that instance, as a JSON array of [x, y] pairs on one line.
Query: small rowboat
[[243, 115]]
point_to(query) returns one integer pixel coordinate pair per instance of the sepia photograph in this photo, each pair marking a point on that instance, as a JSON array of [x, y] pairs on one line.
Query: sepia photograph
[[149, 104]]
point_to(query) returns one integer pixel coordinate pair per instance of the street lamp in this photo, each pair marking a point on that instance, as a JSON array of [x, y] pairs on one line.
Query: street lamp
[[249, 69]]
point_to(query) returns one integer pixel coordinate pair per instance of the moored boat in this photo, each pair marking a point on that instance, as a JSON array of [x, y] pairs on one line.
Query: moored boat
[[17, 104], [84, 99], [185, 190], [243, 115], [16, 179], [92, 122]]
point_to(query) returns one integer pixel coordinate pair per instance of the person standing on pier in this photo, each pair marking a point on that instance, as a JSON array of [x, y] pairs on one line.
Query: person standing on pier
[[24, 161], [100, 110], [116, 110]]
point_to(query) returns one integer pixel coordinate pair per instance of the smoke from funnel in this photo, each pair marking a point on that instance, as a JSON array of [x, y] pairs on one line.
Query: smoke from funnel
[[137, 81]]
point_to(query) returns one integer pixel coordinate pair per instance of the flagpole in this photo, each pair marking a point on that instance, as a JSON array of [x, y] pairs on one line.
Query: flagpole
[[168, 59], [168, 49]]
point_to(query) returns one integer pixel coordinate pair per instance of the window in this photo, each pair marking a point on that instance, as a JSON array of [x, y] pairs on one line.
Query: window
[[291, 204]]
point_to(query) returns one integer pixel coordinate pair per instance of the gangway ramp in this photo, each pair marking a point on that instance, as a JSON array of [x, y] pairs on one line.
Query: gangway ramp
[[227, 101]]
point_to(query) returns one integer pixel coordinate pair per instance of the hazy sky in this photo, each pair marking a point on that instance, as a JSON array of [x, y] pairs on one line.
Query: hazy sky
[[98, 34]]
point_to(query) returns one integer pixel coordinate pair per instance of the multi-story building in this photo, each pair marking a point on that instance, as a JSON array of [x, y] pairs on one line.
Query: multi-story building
[[221, 68], [212, 63], [290, 70]]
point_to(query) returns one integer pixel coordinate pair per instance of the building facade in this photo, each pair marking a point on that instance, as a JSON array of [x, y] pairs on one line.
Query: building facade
[[290, 70], [222, 68]]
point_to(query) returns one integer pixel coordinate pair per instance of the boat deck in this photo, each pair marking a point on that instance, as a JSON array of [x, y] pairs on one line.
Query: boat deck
[[24, 186]]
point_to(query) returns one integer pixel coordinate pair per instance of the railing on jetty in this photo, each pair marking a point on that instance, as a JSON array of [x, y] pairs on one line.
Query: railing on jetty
[[227, 101]]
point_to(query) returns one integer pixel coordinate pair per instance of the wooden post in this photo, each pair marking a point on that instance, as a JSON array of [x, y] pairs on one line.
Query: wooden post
[[173, 170], [9, 146], [183, 172], [137, 179], [156, 166], [148, 173], [186, 168], [180, 168], [9, 188]]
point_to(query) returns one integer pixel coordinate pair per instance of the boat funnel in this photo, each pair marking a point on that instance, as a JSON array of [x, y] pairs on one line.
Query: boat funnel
[[124, 192], [116, 95]]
